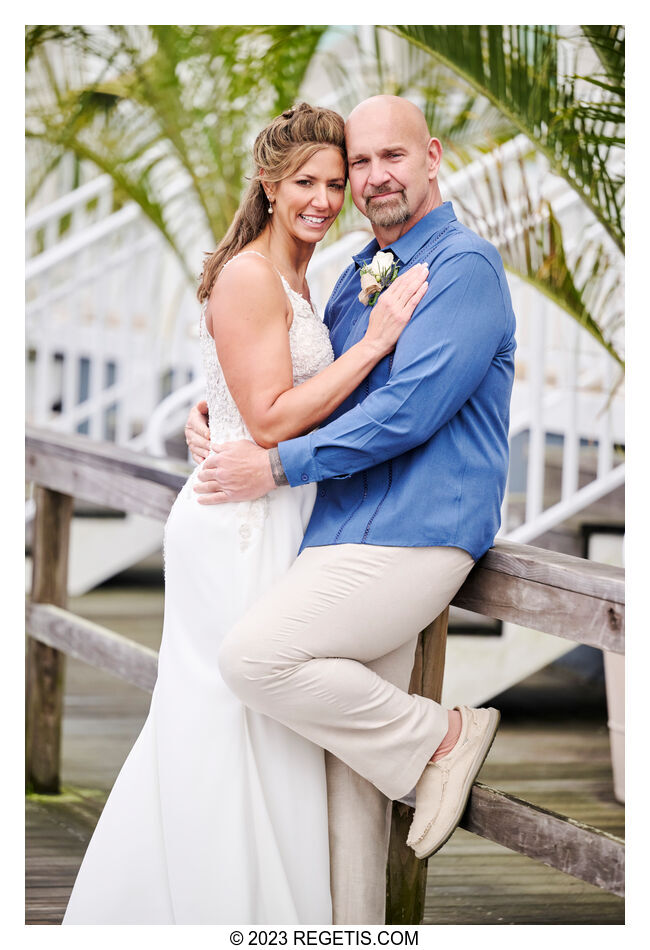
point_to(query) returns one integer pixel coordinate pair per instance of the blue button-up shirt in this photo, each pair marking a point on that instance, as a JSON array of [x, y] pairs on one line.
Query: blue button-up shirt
[[417, 455]]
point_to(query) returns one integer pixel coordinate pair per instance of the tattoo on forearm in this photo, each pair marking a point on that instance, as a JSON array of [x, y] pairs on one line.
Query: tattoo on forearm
[[276, 468]]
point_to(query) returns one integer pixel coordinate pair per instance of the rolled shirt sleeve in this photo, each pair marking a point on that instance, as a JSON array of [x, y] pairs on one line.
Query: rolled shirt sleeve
[[439, 361]]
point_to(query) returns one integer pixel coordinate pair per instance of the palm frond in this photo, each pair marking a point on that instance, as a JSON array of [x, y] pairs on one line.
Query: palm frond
[[170, 113], [530, 74], [608, 42], [164, 107], [585, 280]]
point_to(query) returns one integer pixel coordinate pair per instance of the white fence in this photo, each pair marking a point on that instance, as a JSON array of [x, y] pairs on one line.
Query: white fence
[[111, 331]]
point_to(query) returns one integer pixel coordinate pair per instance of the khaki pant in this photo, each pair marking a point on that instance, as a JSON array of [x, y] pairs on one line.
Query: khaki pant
[[328, 652]]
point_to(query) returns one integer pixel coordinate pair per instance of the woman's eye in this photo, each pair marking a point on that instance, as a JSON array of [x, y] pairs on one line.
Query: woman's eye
[[304, 181]]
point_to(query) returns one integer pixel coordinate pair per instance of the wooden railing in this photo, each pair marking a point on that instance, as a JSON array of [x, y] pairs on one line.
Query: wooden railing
[[579, 600]]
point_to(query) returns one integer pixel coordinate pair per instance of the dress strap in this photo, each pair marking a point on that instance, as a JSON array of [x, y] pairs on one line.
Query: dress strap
[[285, 283], [264, 258]]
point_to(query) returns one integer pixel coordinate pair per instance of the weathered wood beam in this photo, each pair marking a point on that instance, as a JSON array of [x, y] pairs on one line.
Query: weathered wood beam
[[121, 490], [93, 644], [45, 665], [582, 618], [559, 842], [80, 449], [406, 877], [548, 591], [556, 570]]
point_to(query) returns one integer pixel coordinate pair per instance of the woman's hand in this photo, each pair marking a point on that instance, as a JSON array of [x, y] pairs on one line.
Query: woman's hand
[[394, 308], [197, 433]]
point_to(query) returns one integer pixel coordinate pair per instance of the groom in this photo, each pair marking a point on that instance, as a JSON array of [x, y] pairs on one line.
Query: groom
[[411, 471]]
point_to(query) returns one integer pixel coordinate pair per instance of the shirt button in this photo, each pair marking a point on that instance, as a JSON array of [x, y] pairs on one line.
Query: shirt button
[[304, 477], [322, 492]]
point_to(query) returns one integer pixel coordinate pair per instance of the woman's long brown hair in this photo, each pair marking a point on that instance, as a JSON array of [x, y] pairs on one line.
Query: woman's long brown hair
[[280, 149]]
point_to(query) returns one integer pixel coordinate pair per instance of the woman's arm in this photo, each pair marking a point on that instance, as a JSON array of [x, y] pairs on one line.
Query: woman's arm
[[248, 309]]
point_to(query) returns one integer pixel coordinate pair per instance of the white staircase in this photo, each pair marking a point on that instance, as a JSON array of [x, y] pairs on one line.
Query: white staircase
[[112, 351], [110, 329]]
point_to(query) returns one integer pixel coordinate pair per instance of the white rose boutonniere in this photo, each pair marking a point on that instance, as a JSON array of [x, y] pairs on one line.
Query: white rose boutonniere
[[376, 276]]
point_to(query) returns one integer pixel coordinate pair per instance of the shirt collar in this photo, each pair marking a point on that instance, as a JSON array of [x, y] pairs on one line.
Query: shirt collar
[[406, 246]]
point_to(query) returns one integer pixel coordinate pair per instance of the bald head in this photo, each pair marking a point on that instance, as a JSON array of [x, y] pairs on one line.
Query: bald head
[[393, 164], [390, 112]]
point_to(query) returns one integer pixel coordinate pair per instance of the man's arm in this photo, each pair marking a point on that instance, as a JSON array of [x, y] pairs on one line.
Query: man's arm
[[197, 432], [440, 360]]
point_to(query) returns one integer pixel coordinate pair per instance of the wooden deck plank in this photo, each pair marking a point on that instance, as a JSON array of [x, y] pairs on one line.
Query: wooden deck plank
[[557, 761]]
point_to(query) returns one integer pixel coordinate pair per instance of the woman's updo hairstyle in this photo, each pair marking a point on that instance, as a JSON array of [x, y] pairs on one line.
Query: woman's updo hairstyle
[[280, 149]]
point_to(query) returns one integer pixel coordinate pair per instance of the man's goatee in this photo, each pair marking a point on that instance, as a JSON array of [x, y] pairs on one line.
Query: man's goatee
[[390, 213]]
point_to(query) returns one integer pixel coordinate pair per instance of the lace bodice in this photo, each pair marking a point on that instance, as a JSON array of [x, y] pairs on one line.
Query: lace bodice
[[311, 351]]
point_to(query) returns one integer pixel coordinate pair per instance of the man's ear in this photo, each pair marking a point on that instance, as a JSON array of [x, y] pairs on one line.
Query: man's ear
[[434, 156]]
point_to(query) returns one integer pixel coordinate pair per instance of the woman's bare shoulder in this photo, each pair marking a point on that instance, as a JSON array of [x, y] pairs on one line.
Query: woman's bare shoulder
[[250, 284], [248, 273]]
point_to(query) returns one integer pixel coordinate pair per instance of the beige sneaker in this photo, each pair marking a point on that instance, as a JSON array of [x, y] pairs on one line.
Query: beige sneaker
[[443, 789]]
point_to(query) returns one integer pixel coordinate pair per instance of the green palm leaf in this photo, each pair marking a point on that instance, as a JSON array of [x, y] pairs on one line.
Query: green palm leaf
[[155, 106], [531, 76], [586, 281]]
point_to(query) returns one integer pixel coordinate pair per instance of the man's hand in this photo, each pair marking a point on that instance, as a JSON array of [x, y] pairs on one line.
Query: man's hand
[[197, 433], [234, 471]]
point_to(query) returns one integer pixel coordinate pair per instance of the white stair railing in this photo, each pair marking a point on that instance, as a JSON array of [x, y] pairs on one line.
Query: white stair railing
[[102, 334], [108, 316], [46, 227], [582, 407]]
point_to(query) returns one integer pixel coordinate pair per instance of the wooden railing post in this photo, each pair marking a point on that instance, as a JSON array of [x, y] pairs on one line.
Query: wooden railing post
[[45, 665], [554, 593], [406, 876]]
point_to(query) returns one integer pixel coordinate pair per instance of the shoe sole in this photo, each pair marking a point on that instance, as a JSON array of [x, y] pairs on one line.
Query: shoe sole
[[493, 725]]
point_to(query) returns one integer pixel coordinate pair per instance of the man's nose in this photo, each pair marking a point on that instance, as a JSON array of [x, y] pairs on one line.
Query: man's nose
[[378, 174]]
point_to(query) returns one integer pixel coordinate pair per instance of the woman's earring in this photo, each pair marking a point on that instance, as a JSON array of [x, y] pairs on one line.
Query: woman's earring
[[270, 206]]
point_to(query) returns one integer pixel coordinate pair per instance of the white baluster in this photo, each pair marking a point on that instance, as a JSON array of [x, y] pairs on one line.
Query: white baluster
[[105, 201], [571, 448], [42, 375], [605, 448], [536, 443], [51, 233], [71, 376], [95, 383]]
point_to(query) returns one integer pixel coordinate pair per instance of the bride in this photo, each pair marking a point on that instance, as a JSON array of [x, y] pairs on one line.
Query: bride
[[219, 814]]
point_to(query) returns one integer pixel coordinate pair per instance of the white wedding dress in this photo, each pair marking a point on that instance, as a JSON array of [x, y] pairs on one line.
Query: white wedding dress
[[219, 814]]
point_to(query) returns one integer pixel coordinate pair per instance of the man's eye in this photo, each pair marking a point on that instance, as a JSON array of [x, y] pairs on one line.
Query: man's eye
[[359, 161]]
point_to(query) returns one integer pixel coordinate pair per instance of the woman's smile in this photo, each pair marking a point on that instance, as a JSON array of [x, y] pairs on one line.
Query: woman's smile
[[314, 220]]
